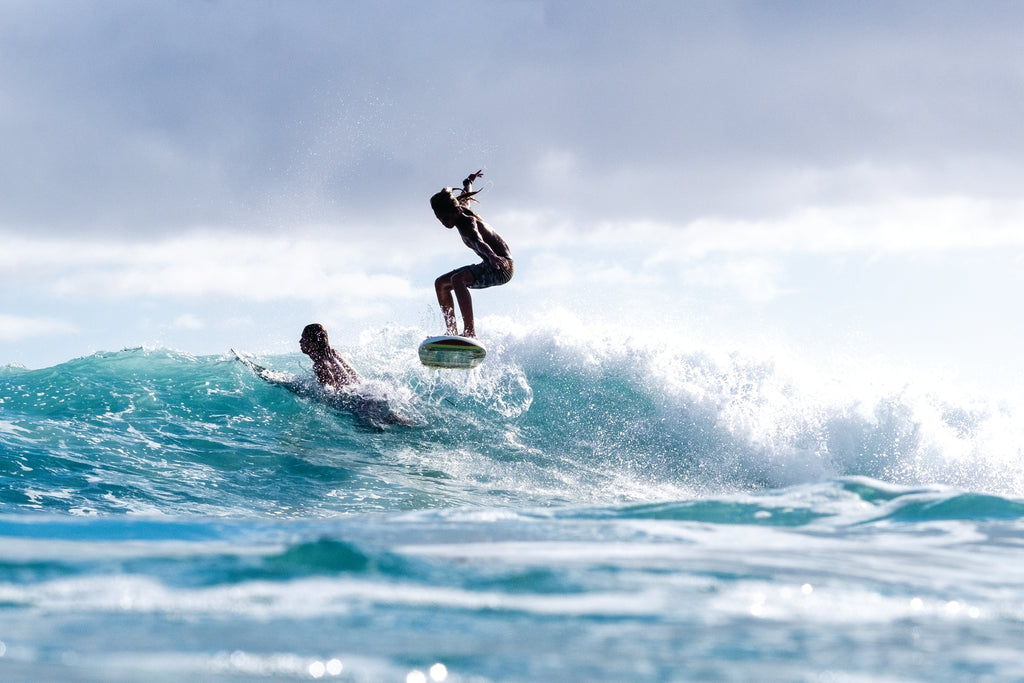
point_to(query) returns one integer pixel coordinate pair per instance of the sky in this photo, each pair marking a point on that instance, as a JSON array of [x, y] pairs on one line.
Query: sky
[[842, 178]]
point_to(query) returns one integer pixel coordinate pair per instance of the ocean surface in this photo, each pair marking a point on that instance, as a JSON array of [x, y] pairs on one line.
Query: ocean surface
[[572, 510]]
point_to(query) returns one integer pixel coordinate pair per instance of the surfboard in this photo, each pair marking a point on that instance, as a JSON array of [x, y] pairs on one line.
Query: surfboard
[[279, 378], [257, 369], [452, 353]]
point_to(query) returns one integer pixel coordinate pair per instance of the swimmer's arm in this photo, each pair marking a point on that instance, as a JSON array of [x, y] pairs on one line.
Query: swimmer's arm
[[324, 375], [335, 372], [347, 372], [351, 376]]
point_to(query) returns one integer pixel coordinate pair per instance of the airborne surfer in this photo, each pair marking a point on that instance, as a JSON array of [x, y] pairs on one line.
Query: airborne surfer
[[495, 269]]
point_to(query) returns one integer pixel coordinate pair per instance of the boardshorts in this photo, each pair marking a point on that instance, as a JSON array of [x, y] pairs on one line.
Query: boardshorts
[[484, 275]]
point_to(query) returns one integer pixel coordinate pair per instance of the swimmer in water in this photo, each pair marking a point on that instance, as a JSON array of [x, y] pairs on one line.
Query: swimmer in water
[[341, 379], [330, 368]]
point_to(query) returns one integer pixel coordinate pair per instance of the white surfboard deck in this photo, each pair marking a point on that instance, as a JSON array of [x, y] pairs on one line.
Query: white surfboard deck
[[449, 352]]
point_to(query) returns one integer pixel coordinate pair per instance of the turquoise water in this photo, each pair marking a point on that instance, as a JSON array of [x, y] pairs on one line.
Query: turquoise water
[[564, 512]]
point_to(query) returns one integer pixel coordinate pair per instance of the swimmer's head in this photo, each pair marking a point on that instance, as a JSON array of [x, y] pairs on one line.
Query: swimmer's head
[[314, 338]]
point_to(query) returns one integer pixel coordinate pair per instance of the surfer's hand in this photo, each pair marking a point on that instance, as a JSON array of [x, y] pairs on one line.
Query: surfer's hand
[[499, 263]]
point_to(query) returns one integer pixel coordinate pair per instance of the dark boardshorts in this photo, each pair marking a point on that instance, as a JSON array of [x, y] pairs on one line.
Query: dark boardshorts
[[485, 276]]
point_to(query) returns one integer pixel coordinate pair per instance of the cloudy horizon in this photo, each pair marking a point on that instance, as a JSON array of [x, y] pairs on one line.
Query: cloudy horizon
[[202, 174]]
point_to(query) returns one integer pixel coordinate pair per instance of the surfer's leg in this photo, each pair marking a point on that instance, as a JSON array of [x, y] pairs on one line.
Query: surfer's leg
[[443, 287], [465, 305], [458, 281]]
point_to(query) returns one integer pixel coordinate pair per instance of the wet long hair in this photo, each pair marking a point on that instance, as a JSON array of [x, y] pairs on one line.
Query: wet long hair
[[446, 203]]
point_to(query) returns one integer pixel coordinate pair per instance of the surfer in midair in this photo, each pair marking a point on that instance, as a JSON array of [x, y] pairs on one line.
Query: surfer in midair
[[453, 210]]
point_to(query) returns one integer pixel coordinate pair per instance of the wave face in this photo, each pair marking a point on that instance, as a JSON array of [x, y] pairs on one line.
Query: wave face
[[574, 509], [545, 421]]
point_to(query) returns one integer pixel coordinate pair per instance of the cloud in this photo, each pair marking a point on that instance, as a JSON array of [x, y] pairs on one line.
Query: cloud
[[17, 328], [367, 274], [206, 266], [270, 116], [754, 279], [188, 321], [904, 226], [894, 225]]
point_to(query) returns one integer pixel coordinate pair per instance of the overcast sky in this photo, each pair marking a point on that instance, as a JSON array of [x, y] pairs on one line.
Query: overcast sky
[[206, 174]]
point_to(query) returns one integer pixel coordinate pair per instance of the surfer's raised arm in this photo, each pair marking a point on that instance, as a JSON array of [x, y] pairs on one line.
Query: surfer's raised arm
[[467, 187]]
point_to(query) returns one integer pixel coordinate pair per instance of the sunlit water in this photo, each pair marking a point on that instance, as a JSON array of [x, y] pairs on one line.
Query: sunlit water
[[572, 510]]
